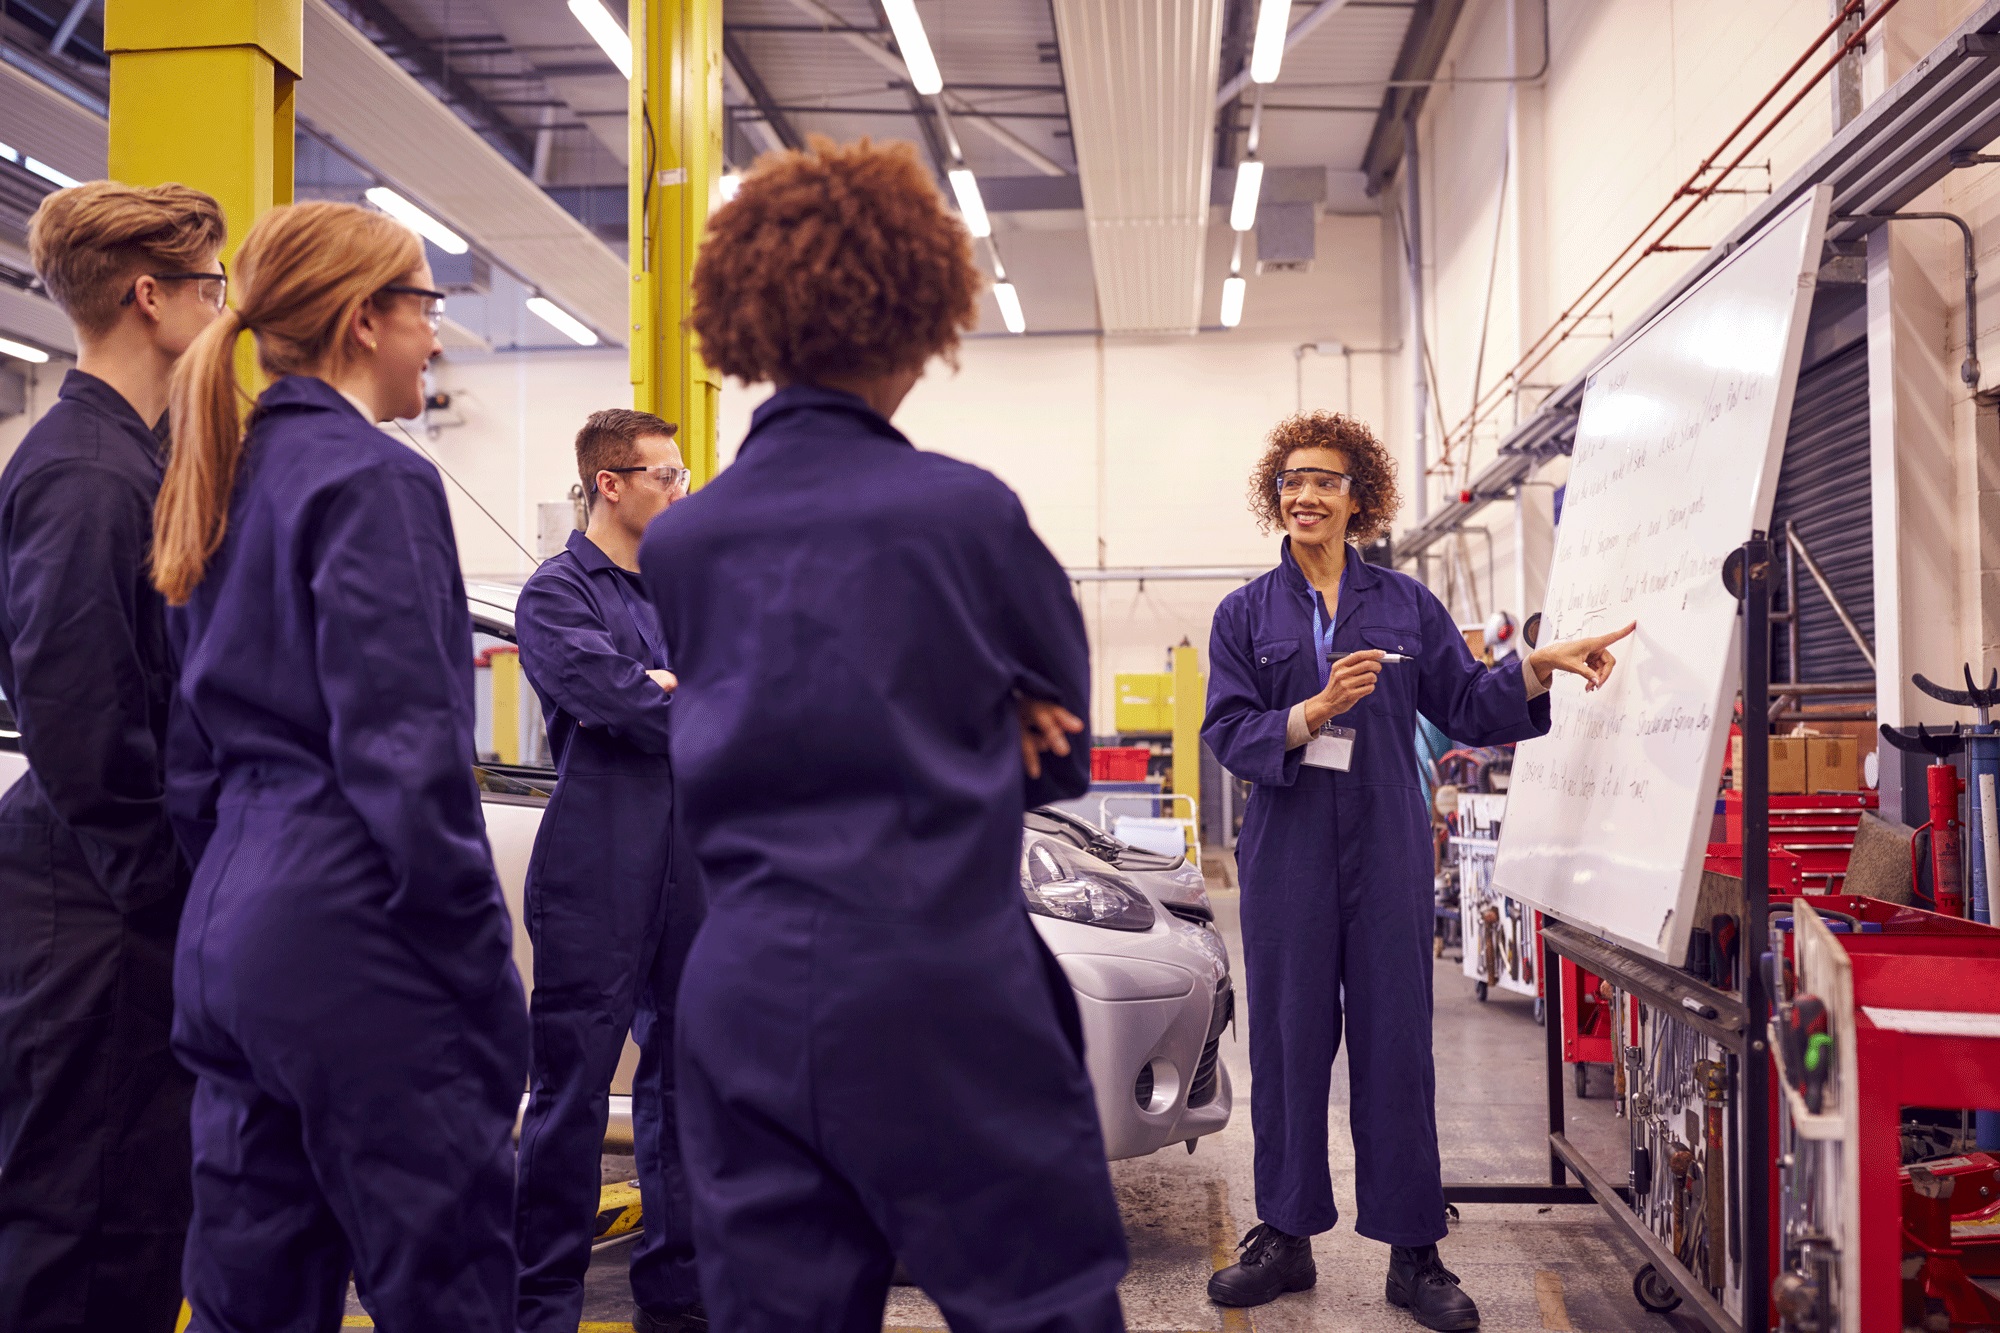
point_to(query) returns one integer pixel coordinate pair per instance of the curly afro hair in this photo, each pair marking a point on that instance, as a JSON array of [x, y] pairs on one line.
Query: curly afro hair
[[837, 261], [1374, 492]]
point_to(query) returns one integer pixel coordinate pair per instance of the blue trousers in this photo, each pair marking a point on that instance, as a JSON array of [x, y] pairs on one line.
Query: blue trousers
[[858, 1090], [93, 1106], [1323, 953], [352, 1112], [608, 958]]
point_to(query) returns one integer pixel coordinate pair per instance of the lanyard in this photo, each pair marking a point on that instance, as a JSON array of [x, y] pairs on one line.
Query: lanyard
[[1322, 641]]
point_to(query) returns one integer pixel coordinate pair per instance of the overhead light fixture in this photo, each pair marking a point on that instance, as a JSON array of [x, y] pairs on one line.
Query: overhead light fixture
[[1232, 302], [23, 352], [1010, 307], [731, 183], [9, 152], [605, 31], [418, 221], [569, 325], [49, 173], [912, 41], [966, 187], [1249, 184], [1267, 51]]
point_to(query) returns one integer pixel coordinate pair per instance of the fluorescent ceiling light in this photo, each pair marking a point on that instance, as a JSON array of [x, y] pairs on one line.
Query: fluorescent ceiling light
[[49, 173], [604, 29], [1232, 302], [1010, 307], [23, 351], [966, 187], [731, 183], [910, 40], [1267, 52], [418, 221], [570, 326], [1249, 184], [7, 151]]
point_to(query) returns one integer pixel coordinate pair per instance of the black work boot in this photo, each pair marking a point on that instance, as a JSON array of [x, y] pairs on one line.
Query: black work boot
[[1420, 1284], [694, 1319], [1273, 1263]]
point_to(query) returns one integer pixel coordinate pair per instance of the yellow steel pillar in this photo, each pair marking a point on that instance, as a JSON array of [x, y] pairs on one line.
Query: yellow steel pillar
[[676, 129], [202, 94], [1189, 699]]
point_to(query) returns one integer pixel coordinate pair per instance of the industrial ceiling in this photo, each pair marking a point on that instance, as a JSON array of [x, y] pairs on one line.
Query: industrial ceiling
[[1094, 127]]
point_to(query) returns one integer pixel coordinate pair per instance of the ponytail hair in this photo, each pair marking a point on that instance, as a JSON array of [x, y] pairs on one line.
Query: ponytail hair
[[302, 273]]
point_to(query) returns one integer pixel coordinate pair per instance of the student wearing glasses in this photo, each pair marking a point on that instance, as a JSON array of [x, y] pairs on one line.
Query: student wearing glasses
[[610, 908], [93, 1108], [344, 987], [1318, 672]]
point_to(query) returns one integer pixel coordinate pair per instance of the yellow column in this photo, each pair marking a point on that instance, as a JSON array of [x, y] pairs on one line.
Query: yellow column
[[676, 137], [1190, 695], [506, 668], [201, 93]]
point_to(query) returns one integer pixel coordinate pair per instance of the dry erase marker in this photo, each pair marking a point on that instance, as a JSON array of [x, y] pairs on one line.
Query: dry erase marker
[[1392, 657]]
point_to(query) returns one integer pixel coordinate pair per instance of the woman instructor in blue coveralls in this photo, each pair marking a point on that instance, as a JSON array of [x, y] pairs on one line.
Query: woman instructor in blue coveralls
[[344, 989], [1318, 672], [879, 663]]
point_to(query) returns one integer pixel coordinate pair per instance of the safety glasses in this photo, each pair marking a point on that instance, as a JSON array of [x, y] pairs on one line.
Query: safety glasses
[[433, 310], [214, 288], [669, 476], [1325, 481]]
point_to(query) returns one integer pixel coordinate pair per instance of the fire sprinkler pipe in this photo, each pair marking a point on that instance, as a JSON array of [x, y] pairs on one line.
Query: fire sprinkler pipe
[[1968, 370]]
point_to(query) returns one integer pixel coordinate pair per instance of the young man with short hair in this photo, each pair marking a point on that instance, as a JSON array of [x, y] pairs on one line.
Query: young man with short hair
[[611, 906], [94, 1159]]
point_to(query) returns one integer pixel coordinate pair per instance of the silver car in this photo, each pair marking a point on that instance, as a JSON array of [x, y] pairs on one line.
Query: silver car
[[1132, 929]]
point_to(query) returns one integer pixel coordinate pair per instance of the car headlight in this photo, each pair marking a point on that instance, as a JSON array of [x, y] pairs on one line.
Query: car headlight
[[1062, 882]]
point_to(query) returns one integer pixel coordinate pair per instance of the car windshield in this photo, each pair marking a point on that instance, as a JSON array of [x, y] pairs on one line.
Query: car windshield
[[510, 740]]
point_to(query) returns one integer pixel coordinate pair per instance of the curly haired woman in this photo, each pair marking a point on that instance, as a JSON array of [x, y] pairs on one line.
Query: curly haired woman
[[879, 664], [1318, 671]]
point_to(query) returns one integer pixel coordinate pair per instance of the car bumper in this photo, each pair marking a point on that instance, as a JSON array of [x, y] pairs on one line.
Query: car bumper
[[1155, 1013]]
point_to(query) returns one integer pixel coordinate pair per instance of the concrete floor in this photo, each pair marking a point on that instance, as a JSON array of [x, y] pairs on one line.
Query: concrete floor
[[1529, 1268]]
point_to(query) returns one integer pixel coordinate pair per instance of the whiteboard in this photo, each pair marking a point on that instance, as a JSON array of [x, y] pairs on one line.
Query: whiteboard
[[1676, 461]]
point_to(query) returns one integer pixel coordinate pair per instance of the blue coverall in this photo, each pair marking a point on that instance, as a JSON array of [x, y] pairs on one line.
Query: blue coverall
[[93, 1107], [1336, 871], [611, 911], [878, 1056], [344, 989]]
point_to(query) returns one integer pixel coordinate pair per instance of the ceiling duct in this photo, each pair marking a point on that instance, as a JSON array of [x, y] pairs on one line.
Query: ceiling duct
[[362, 100], [1141, 77]]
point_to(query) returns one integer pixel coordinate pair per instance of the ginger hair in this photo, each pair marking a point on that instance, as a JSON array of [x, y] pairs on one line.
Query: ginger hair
[[1373, 472], [90, 242], [841, 260], [302, 274]]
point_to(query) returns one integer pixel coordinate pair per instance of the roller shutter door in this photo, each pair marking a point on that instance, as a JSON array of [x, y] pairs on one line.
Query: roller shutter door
[[1823, 490]]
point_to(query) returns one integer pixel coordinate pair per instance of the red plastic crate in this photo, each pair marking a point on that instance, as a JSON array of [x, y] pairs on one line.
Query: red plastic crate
[[1119, 763]]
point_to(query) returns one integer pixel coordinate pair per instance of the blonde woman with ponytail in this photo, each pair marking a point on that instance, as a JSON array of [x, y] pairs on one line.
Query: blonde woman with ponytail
[[344, 991]]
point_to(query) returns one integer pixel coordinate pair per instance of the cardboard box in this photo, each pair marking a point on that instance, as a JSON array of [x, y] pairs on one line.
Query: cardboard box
[[1833, 763], [1788, 764]]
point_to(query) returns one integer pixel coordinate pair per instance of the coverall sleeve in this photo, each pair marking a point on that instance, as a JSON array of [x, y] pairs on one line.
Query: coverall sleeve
[[77, 565], [1248, 738], [1042, 631], [1471, 703], [384, 577], [570, 657]]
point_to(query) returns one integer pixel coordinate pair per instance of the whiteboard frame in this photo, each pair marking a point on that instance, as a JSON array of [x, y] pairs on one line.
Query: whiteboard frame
[[1670, 946]]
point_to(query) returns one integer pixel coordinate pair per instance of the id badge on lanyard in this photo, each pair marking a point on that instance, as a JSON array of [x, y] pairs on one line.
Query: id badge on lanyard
[[1331, 747]]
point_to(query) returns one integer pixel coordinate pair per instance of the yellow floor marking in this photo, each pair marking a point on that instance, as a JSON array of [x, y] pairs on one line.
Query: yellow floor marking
[[1222, 1252], [1549, 1296]]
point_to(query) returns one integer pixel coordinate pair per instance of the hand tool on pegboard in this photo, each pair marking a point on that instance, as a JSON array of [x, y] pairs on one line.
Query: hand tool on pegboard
[[1943, 787], [1709, 1073]]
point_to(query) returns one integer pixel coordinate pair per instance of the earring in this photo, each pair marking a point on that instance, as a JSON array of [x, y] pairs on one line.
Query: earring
[[371, 346]]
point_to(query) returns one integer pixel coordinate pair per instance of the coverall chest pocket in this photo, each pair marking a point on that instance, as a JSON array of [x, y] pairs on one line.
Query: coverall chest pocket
[[1396, 689], [1277, 661]]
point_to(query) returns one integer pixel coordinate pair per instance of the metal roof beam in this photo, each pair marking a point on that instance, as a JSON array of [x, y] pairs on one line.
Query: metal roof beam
[[759, 92], [1424, 45], [516, 143]]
